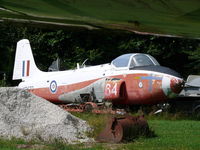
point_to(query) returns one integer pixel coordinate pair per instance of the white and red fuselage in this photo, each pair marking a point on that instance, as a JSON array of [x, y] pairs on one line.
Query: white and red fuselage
[[129, 79]]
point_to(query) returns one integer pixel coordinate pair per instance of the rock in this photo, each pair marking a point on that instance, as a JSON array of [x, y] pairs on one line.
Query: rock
[[24, 115]]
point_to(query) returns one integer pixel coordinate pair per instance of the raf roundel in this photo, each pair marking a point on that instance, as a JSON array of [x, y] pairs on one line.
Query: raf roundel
[[53, 86], [140, 85]]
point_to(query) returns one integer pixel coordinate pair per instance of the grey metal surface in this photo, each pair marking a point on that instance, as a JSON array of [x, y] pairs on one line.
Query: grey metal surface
[[193, 80]]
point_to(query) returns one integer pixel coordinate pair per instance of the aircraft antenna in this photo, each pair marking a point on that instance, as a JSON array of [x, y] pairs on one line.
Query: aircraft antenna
[[83, 64]]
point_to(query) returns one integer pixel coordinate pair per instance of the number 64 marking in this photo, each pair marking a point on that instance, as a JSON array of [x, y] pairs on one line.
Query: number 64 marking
[[111, 90]]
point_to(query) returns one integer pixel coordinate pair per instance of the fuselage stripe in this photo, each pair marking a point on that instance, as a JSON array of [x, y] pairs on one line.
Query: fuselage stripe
[[23, 68], [150, 78], [28, 68]]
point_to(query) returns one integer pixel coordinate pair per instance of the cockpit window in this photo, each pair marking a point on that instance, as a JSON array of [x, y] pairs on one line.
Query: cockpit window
[[122, 61], [154, 60], [134, 60], [142, 60]]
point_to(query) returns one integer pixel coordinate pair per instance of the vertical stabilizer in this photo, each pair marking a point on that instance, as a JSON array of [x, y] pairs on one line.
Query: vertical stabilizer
[[24, 66]]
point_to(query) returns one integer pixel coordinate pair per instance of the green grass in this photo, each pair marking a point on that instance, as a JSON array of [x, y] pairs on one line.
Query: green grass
[[170, 134], [179, 134], [175, 17], [98, 122]]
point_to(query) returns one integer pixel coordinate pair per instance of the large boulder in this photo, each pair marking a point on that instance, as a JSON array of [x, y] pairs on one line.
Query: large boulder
[[24, 115]]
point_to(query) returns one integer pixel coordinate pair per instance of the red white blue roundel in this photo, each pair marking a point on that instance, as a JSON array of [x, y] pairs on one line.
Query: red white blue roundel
[[53, 86]]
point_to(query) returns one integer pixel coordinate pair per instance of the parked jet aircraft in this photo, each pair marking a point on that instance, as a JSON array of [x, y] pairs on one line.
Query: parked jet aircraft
[[129, 79]]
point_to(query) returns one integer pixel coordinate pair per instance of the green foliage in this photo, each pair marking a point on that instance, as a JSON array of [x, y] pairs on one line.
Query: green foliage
[[100, 46], [2, 83], [194, 57], [96, 121]]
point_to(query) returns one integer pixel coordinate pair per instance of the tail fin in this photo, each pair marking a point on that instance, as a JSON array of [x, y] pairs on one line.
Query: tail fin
[[24, 66]]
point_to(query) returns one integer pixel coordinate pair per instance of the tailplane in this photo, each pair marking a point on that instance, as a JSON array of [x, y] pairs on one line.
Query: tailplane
[[24, 67]]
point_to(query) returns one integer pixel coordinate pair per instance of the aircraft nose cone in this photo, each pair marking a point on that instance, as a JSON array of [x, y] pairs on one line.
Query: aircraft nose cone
[[176, 85], [172, 86]]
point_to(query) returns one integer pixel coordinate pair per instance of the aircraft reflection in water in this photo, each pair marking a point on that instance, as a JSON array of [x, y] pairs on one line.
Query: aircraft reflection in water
[[130, 79]]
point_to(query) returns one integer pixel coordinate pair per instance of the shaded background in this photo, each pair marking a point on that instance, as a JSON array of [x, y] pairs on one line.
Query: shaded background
[[99, 46]]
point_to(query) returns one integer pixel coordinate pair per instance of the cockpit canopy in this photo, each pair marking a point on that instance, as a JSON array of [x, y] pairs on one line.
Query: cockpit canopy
[[134, 60]]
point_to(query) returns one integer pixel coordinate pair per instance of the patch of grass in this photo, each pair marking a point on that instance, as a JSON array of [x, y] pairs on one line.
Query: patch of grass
[[179, 134], [173, 134], [157, 16], [96, 121], [173, 131], [172, 116], [14, 143]]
